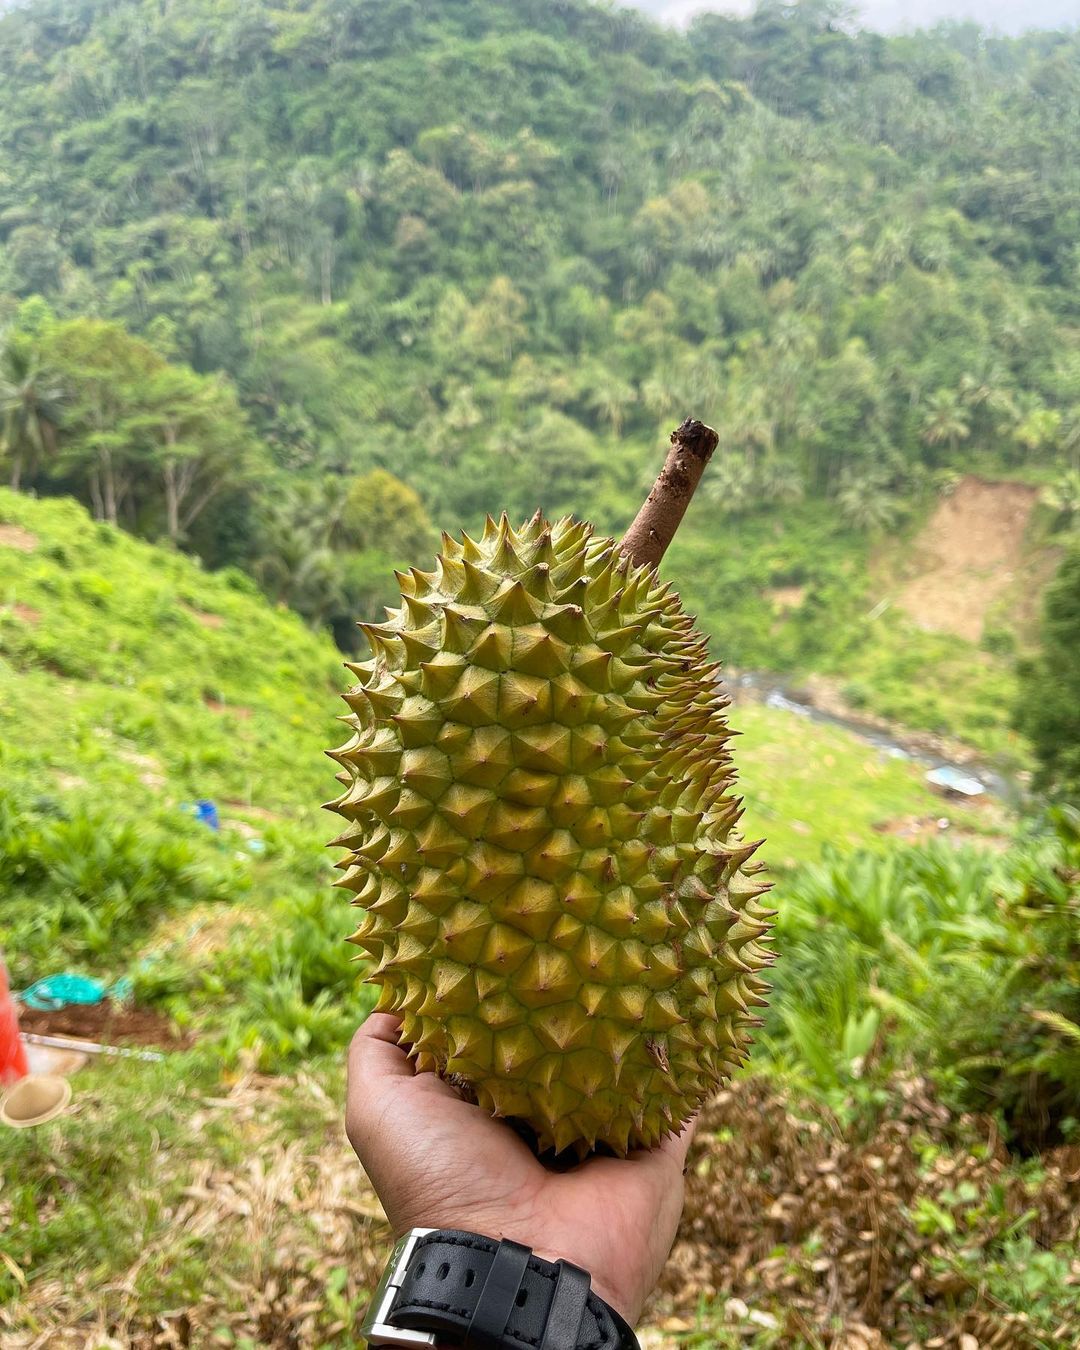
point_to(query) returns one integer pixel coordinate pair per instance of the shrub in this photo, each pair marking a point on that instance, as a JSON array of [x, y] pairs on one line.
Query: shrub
[[965, 963], [80, 885]]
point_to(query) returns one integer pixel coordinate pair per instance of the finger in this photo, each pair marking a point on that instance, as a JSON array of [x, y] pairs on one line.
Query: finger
[[380, 1072], [677, 1146], [375, 1053], [669, 1156]]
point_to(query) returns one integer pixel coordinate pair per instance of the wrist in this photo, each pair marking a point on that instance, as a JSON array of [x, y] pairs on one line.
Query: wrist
[[447, 1287], [629, 1312], [608, 1292]]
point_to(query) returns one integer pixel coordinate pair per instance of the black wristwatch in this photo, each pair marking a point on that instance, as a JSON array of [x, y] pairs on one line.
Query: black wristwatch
[[446, 1287]]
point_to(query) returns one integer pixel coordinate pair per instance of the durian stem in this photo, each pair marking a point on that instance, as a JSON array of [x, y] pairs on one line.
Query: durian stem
[[647, 539]]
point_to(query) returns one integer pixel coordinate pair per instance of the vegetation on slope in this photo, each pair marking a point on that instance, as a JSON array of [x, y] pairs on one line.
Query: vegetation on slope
[[492, 249], [1048, 708], [287, 285], [132, 682]]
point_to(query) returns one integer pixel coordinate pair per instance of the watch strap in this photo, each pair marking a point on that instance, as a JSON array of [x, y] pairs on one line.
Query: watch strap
[[485, 1295]]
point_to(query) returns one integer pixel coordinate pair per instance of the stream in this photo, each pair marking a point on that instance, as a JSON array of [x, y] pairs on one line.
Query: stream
[[775, 692]]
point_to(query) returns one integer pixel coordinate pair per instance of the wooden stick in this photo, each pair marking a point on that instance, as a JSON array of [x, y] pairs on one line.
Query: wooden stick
[[647, 539], [90, 1047]]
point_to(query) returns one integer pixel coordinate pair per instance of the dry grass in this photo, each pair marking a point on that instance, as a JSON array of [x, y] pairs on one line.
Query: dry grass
[[792, 1233], [786, 1214], [294, 1220]]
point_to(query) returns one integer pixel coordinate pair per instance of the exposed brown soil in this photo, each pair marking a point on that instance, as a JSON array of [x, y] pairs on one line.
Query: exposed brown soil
[[216, 706], [967, 556], [27, 614], [918, 829], [784, 599], [14, 536], [108, 1023], [201, 616]]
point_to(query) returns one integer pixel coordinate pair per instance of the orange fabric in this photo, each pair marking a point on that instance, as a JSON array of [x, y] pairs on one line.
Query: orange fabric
[[13, 1063]]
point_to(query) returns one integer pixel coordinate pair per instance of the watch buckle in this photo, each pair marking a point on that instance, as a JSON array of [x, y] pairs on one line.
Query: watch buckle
[[377, 1328]]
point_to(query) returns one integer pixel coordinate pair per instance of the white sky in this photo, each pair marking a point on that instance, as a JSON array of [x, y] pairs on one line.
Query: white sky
[[1007, 16]]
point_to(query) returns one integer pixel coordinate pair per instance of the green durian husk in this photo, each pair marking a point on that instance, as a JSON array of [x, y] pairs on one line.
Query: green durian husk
[[543, 839]]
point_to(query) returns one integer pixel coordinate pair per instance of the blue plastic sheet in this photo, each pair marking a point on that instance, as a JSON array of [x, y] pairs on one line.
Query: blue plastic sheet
[[62, 991]]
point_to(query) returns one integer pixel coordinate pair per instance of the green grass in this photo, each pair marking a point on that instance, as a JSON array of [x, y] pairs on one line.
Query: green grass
[[126, 664], [733, 575], [807, 784], [934, 682], [728, 569], [132, 683]]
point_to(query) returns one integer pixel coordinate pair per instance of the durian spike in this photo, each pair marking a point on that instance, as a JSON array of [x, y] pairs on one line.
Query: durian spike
[[647, 539]]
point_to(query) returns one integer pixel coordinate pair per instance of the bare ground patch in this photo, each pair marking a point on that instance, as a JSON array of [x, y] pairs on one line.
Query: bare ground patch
[[968, 556], [202, 616], [27, 614], [107, 1022], [785, 599], [216, 706], [14, 536], [912, 829]]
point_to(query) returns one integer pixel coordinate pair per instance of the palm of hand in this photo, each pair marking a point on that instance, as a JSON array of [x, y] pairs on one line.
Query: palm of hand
[[438, 1162]]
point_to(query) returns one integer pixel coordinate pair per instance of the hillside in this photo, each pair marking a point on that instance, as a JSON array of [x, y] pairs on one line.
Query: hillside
[[128, 664], [132, 685], [207, 1197], [496, 248], [286, 289], [129, 675]]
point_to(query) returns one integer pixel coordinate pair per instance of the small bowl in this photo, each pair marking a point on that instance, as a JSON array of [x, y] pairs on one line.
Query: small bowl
[[35, 1099]]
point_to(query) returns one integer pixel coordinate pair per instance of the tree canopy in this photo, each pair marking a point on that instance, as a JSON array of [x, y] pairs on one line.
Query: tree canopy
[[494, 248], [456, 215], [1048, 711]]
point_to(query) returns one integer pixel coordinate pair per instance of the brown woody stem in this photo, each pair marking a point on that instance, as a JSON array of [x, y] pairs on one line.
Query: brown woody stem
[[647, 539]]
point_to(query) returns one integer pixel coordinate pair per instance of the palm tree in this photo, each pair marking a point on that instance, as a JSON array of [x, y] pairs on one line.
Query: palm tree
[[730, 485], [30, 399], [1063, 496], [945, 421], [607, 396], [296, 563], [864, 500], [781, 480]]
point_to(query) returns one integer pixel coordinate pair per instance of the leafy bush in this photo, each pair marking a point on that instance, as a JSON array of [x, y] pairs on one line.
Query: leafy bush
[[856, 931], [298, 992], [967, 963], [1048, 709], [1009, 1007], [80, 885]]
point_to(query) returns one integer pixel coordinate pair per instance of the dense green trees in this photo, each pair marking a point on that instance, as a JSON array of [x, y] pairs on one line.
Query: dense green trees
[[510, 224], [494, 248], [1048, 711], [139, 436]]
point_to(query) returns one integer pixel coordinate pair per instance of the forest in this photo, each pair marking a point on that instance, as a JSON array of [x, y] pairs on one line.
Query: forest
[[286, 290], [493, 248]]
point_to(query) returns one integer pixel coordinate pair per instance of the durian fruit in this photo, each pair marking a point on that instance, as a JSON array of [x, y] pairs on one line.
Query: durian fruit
[[542, 838]]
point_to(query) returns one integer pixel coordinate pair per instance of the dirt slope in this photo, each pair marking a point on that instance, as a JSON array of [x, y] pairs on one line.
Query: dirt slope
[[967, 556]]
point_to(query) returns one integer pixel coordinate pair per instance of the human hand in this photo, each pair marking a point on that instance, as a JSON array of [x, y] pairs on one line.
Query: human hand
[[437, 1161]]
